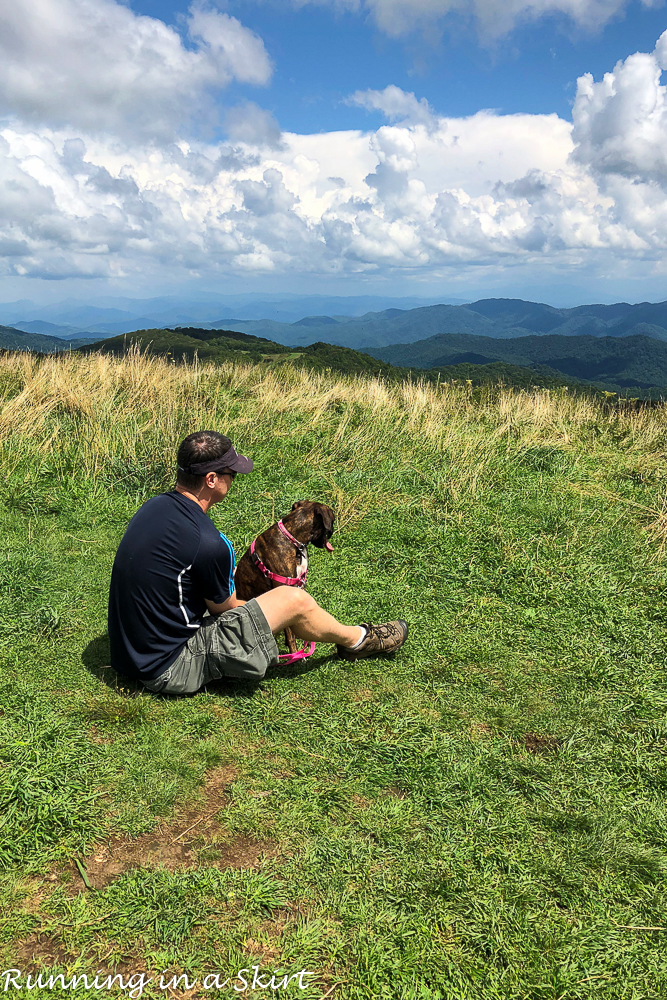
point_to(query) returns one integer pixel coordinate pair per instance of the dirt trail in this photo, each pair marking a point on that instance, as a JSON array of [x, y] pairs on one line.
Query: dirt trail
[[175, 844]]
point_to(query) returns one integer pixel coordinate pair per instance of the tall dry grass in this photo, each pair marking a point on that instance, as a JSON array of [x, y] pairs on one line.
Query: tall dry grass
[[96, 408]]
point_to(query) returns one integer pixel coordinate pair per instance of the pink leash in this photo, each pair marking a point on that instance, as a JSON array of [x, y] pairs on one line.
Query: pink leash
[[302, 654], [289, 581]]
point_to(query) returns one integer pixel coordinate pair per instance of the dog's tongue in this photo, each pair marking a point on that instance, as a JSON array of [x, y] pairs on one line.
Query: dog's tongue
[[328, 546]]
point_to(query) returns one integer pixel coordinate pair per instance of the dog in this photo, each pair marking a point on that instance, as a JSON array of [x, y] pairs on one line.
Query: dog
[[273, 554]]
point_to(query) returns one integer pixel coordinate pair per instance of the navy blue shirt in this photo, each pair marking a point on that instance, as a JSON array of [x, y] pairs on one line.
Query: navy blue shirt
[[170, 559]]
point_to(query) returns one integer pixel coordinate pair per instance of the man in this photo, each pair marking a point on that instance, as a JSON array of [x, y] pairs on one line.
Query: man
[[173, 565]]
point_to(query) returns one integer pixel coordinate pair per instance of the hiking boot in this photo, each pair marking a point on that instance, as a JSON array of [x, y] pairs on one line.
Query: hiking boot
[[380, 640]]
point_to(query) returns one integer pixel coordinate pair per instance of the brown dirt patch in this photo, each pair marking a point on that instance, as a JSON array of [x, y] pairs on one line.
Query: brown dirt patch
[[260, 949], [266, 942], [176, 844], [300, 699], [394, 792], [45, 951], [41, 950], [243, 852], [265, 945], [539, 743], [282, 771], [221, 711]]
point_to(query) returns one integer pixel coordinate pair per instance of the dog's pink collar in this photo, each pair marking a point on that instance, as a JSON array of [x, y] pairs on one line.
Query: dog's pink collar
[[295, 541], [288, 581]]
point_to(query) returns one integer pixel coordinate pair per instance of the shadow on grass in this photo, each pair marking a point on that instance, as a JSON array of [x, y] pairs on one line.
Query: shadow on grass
[[95, 659]]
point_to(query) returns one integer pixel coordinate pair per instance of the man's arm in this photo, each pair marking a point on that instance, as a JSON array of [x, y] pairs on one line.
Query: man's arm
[[231, 602]]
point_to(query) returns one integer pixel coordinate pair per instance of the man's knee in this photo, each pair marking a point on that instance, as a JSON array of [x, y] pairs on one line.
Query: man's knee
[[285, 606], [296, 600], [305, 603]]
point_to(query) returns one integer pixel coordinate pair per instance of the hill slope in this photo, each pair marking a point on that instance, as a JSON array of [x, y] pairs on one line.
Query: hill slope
[[17, 340], [482, 816], [636, 361], [54, 330], [188, 342]]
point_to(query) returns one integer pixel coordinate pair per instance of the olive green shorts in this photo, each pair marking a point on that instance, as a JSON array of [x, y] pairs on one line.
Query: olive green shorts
[[235, 644]]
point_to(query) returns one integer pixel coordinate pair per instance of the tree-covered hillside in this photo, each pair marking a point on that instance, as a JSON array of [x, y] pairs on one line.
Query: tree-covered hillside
[[188, 343], [629, 362]]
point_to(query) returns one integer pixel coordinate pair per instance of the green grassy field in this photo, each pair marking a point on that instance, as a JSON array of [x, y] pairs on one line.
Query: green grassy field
[[482, 817]]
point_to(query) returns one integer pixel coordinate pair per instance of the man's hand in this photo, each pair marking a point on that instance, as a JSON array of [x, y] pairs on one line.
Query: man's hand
[[231, 602]]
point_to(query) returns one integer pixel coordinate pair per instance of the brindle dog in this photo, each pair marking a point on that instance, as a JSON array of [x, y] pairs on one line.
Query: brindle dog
[[308, 522]]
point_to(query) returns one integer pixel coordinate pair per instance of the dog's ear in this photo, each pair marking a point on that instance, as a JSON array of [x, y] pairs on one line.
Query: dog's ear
[[323, 525], [328, 518], [301, 503]]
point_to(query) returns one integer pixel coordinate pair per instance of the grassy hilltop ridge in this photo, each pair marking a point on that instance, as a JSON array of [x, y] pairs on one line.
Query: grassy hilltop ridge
[[481, 818], [629, 366], [222, 346]]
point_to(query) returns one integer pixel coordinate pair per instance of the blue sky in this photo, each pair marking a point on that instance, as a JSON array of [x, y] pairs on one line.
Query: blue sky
[[412, 147], [322, 55]]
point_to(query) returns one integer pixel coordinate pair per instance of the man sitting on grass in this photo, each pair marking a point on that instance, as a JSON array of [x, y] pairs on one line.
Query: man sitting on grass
[[173, 565]]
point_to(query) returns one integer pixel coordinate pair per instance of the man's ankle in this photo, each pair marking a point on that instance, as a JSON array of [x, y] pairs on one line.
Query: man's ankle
[[362, 635]]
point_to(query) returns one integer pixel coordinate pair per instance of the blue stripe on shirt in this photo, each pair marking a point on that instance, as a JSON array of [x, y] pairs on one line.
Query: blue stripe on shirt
[[232, 563]]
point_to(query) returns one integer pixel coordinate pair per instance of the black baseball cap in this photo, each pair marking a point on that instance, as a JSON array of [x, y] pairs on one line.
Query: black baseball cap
[[230, 460]]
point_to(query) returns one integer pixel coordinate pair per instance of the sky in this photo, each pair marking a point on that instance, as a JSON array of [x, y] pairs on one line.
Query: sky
[[454, 148]]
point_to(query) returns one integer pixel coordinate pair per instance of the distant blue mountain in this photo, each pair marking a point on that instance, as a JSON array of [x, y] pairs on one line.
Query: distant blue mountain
[[53, 330], [496, 318], [358, 322], [316, 321], [124, 315]]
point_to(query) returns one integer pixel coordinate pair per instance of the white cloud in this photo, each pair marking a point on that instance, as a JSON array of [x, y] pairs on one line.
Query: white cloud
[[620, 123], [492, 17], [423, 195], [395, 104], [252, 125], [98, 66]]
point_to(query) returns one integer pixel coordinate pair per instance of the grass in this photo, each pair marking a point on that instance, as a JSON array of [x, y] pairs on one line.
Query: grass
[[481, 818]]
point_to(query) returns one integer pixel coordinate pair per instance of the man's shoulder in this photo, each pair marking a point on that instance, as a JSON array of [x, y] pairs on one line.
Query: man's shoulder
[[212, 539], [171, 501], [165, 508]]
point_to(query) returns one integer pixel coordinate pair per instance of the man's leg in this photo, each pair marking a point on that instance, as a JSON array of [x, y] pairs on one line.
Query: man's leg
[[288, 606]]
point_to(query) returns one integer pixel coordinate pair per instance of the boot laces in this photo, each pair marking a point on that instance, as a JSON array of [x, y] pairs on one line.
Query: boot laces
[[385, 631]]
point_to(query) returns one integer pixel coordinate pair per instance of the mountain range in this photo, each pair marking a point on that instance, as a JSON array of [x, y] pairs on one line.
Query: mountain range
[[349, 321], [620, 346], [613, 363], [219, 346], [495, 318], [636, 365], [114, 314]]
